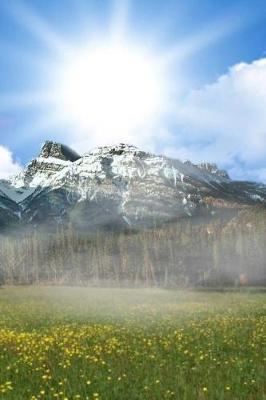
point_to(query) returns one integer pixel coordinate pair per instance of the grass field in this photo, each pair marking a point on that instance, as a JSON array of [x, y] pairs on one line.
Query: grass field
[[86, 343]]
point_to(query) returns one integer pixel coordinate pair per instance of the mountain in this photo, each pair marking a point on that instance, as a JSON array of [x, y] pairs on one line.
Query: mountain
[[118, 187], [9, 210]]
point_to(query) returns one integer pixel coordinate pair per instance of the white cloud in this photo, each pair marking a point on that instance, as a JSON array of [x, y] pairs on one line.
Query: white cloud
[[8, 166], [225, 122]]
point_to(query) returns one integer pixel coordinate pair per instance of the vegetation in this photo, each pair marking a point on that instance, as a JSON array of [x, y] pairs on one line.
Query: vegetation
[[219, 252], [137, 344]]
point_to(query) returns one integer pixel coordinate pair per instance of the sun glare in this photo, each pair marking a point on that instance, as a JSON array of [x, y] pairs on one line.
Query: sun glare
[[110, 87]]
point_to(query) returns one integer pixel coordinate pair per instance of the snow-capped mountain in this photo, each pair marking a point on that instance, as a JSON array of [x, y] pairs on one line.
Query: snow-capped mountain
[[117, 186]]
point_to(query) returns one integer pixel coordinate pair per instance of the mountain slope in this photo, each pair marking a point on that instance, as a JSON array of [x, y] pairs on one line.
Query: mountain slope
[[9, 210], [120, 186]]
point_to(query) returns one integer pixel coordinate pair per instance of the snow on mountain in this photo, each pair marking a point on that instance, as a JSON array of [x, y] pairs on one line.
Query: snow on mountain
[[119, 186]]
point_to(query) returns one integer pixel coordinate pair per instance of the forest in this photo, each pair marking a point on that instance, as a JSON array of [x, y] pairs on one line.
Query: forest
[[186, 253]]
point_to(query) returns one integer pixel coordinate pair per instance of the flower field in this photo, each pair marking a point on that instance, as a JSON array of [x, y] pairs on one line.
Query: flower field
[[88, 343]]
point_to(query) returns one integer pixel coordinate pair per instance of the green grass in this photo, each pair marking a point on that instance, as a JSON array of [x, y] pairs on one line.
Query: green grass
[[87, 343]]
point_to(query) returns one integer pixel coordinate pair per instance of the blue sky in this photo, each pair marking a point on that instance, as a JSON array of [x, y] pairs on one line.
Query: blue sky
[[215, 99]]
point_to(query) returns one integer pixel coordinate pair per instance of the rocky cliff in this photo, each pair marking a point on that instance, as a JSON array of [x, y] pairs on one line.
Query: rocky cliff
[[117, 187]]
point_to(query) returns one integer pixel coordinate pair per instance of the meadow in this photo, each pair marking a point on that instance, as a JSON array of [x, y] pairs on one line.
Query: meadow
[[131, 344]]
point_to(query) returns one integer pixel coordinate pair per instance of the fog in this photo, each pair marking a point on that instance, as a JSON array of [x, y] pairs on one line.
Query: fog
[[228, 250]]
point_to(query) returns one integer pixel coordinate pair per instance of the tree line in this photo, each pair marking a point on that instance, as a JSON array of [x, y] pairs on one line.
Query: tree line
[[186, 253]]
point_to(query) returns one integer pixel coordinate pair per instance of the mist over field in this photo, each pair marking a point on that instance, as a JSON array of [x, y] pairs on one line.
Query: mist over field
[[87, 343]]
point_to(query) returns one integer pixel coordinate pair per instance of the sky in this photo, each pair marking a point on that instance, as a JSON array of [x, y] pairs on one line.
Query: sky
[[184, 78]]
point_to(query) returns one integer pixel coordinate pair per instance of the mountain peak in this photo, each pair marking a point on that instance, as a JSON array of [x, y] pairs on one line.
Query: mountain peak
[[58, 150], [115, 149], [213, 169], [119, 186]]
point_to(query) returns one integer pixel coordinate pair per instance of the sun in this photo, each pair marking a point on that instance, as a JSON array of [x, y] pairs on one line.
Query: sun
[[109, 87]]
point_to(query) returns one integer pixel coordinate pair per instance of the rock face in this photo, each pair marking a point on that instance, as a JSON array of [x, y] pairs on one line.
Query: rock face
[[213, 169], [119, 186], [53, 158], [59, 151]]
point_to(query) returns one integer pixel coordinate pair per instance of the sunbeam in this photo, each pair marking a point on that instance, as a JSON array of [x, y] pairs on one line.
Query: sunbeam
[[22, 100], [34, 24], [105, 84], [119, 19], [26, 57], [207, 36]]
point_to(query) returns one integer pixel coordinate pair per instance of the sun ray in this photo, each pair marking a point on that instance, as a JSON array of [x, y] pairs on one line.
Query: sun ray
[[34, 24], [22, 100], [119, 19], [25, 57], [211, 34], [109, 84]]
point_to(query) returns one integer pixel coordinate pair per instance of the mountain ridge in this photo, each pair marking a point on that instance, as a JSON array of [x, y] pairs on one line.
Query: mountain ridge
[[117, 186]]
